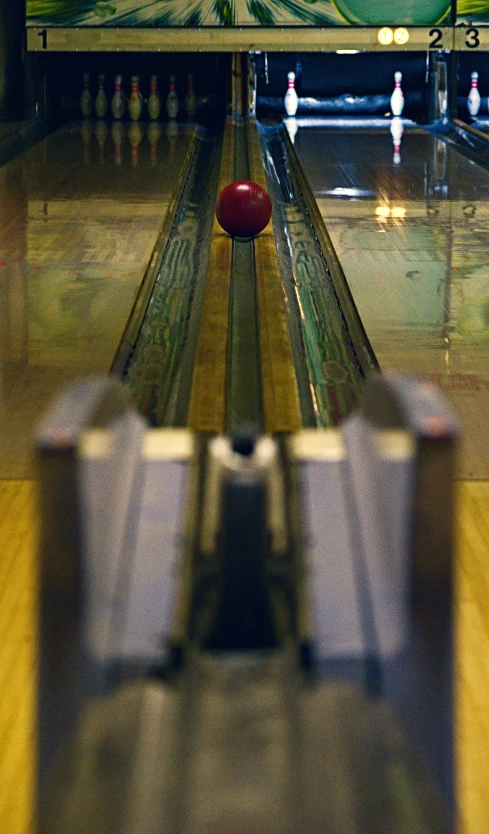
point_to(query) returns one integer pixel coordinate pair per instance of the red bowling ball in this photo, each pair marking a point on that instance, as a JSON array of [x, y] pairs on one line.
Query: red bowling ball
[[243, 209]]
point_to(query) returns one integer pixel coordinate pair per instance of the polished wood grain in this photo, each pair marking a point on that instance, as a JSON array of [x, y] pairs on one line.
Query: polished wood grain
[[207, 407], [18, 625], [413, 262], [78, 223], [472, 657]]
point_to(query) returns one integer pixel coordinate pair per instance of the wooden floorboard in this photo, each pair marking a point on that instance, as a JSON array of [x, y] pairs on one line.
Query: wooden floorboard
[[18, 623], [75, 239], [472, 663]]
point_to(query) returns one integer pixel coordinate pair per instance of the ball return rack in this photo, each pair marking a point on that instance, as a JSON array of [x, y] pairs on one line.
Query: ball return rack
[[249, 633]]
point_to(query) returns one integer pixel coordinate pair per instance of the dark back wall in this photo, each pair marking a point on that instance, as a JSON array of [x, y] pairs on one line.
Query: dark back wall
[[327, 74]]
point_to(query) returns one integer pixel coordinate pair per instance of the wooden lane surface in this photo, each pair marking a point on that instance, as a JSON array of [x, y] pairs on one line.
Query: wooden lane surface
[[18, 624], [413, 260], [472, 658], [76, 234]]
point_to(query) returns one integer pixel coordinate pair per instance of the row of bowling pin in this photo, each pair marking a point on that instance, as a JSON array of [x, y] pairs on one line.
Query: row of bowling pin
[[473, 98], [291, 100], [134, 103], [135, 135]]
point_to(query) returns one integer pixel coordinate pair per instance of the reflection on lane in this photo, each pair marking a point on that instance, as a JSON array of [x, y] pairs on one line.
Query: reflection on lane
[[413, 239], [79, 216]]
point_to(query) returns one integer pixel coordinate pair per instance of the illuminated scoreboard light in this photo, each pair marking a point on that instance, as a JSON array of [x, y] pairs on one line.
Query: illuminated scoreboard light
[[399, 36], [385, 36], [419, 37]]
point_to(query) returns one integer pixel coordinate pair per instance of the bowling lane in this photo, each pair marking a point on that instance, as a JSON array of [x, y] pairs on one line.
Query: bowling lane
[[79, 217], [413, 239]]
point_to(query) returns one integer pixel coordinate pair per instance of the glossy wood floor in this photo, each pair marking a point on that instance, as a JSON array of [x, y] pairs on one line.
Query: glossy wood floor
[[472, 657], [79, 216], [412, 236], [18, 621]]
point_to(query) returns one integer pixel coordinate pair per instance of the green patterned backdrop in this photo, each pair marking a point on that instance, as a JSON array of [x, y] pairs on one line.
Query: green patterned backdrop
[[473, 11], [239, 12]]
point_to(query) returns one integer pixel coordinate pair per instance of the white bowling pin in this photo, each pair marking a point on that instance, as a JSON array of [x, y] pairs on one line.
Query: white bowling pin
[[473, 98], [172, 100], [397, 129], [291, 100], [117, 104], [154, 101], [135, 102], [101, 98], [397, 97], [86, 96]]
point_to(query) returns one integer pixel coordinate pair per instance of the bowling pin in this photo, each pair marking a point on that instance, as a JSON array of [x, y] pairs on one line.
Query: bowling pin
[[101, 98], [172, 100], [117, 103], [397, 130], [473, 98], [86, 103], [291, 100], [190, 99], [153, 134], [154, 101], [135, 103], [397, 97], [101, 131]]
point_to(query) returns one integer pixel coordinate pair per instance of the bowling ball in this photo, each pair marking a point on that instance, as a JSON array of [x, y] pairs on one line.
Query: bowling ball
[[385, 13], [243, 209]]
